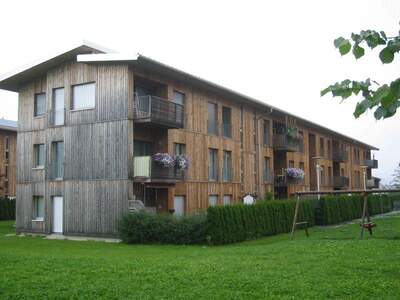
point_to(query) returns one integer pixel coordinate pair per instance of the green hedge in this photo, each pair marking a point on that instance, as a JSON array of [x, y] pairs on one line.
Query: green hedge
[[239, 222], [7, 209], [337, 209], [146, 228]]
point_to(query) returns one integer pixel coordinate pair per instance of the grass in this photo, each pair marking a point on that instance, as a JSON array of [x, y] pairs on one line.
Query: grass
[[332, 263]]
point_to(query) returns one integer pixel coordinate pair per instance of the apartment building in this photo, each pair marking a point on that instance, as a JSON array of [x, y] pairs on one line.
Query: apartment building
[[8, 153], [100, 133]]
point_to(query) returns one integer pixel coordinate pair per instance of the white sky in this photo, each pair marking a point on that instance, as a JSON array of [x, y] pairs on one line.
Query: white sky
[[280, 52]]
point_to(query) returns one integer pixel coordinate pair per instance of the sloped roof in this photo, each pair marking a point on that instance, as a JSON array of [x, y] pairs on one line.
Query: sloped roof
[[90, 53], [8, 124]]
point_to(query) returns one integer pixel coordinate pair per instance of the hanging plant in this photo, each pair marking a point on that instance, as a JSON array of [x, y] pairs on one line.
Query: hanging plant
[[164, 160], [292, 132], [295, 174], [181, 162]]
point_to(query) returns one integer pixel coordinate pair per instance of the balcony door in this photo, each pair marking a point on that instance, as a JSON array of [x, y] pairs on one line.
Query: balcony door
[[58, 106]]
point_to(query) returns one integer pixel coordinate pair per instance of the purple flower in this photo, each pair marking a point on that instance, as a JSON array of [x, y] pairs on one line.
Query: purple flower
[[295, 173], [164, 160], [181, 162]]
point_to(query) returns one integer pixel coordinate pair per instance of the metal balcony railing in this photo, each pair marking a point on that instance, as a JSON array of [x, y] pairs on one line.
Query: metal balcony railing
[[145, 169], [340, 182], [284, 142], [373, 183], [283, 180], [156, 110], [339, 156], [371, 163]]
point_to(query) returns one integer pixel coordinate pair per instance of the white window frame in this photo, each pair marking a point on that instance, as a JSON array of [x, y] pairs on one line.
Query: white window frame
[[73, 97]]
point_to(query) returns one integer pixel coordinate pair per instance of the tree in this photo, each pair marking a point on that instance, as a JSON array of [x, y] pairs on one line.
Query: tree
[[384, 99], [396, 178]]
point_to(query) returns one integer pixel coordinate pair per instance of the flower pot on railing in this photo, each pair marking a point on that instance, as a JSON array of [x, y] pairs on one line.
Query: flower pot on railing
[[295, 175]]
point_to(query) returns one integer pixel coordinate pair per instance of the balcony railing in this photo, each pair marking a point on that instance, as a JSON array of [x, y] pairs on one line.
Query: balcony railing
[[56, 117], [158, 111], [340, 182], [284, 142], [283, 180], [146, 170], [373, 183], [339, 156], [371, 163]]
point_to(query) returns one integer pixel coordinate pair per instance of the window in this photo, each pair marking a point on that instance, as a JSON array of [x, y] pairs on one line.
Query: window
[[321, 147], [58, 159], [142, 148], [227, 121], [179, 98], [7, 143], [58, 107], [291, 164], [6, 171], [301, 145], [267, 169], [83, 96], [329, 149], [330, 176], [213, 165], [38, 208], [180, 149], [212, 118], [40, 105], [266, 133], [212, 200], [227, 199], [227, 167], [301, 165], [39, 155]]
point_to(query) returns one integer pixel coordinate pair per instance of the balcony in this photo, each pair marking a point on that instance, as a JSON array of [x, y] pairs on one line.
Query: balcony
[[373, 183], [339, 156], [283, 180], [371, 163], [146, 170], [340, 182], [157, 111], [283, 142]]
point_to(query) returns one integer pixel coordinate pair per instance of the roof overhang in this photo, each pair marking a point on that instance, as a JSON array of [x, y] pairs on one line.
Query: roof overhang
[[13, 80]]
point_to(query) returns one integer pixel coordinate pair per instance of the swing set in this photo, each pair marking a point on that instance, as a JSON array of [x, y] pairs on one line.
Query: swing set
[[366, 223]]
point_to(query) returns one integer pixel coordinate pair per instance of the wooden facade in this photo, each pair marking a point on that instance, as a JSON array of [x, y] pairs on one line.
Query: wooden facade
[[99, 180], [8, 161]]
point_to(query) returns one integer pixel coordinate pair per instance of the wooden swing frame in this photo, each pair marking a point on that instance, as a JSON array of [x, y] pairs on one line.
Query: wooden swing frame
[[365, 218]]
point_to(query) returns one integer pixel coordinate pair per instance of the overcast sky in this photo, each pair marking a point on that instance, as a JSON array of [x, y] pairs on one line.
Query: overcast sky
[[280, 52]]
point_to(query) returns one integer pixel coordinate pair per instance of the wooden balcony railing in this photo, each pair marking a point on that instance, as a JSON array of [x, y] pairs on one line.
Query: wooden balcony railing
[[158, 111], [283, 142], [340, 182], [339, 156], [146, 170], [371, 163]]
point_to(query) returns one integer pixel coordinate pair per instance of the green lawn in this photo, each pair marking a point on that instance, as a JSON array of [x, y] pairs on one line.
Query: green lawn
[[332, 263]]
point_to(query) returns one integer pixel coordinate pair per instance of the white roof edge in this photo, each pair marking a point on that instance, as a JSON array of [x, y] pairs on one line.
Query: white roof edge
[[53, 55], [106, 57]]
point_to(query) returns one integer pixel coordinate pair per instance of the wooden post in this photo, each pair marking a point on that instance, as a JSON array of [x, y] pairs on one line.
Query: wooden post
[[296, 210], [364, 212]]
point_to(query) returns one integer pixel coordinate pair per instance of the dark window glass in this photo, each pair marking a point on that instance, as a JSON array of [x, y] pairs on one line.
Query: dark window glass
[[212, 118], [180, 149], [40, 105], [213, 165], [227, 121], [227, 167], [39, 155], [267, 169], [266, 133], [142, 148]]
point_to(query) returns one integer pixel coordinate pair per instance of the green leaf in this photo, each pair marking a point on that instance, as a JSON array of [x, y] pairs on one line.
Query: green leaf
[[386, 55], [345, 47], [325, 91], [383, 35], [380, 113], [358, 51], [337, 42], [361, 107], [380, 93]]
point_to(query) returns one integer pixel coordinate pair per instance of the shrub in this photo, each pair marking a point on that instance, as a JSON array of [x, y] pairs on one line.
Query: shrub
[[146, 228], [7, 209], [239, 222]]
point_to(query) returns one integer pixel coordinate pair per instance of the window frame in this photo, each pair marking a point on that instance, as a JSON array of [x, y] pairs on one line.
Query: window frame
[[36, 207], [35, 113], [216, 200], [37, 156], [227, 168], [72, 109], [228, 109], [230, 199], [213, 167], [215, 132]]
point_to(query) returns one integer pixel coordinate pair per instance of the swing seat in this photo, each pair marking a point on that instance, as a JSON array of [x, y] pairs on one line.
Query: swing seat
[[368, 225]]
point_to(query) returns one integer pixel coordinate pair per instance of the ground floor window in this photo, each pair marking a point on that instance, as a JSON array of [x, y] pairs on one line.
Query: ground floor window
[[212, 200], [38, 208], [227, 199]]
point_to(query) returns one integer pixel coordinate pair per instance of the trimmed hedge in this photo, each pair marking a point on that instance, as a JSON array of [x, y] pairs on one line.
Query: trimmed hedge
[[337, 209], [7, 209], [239, 222], [147, 228]]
